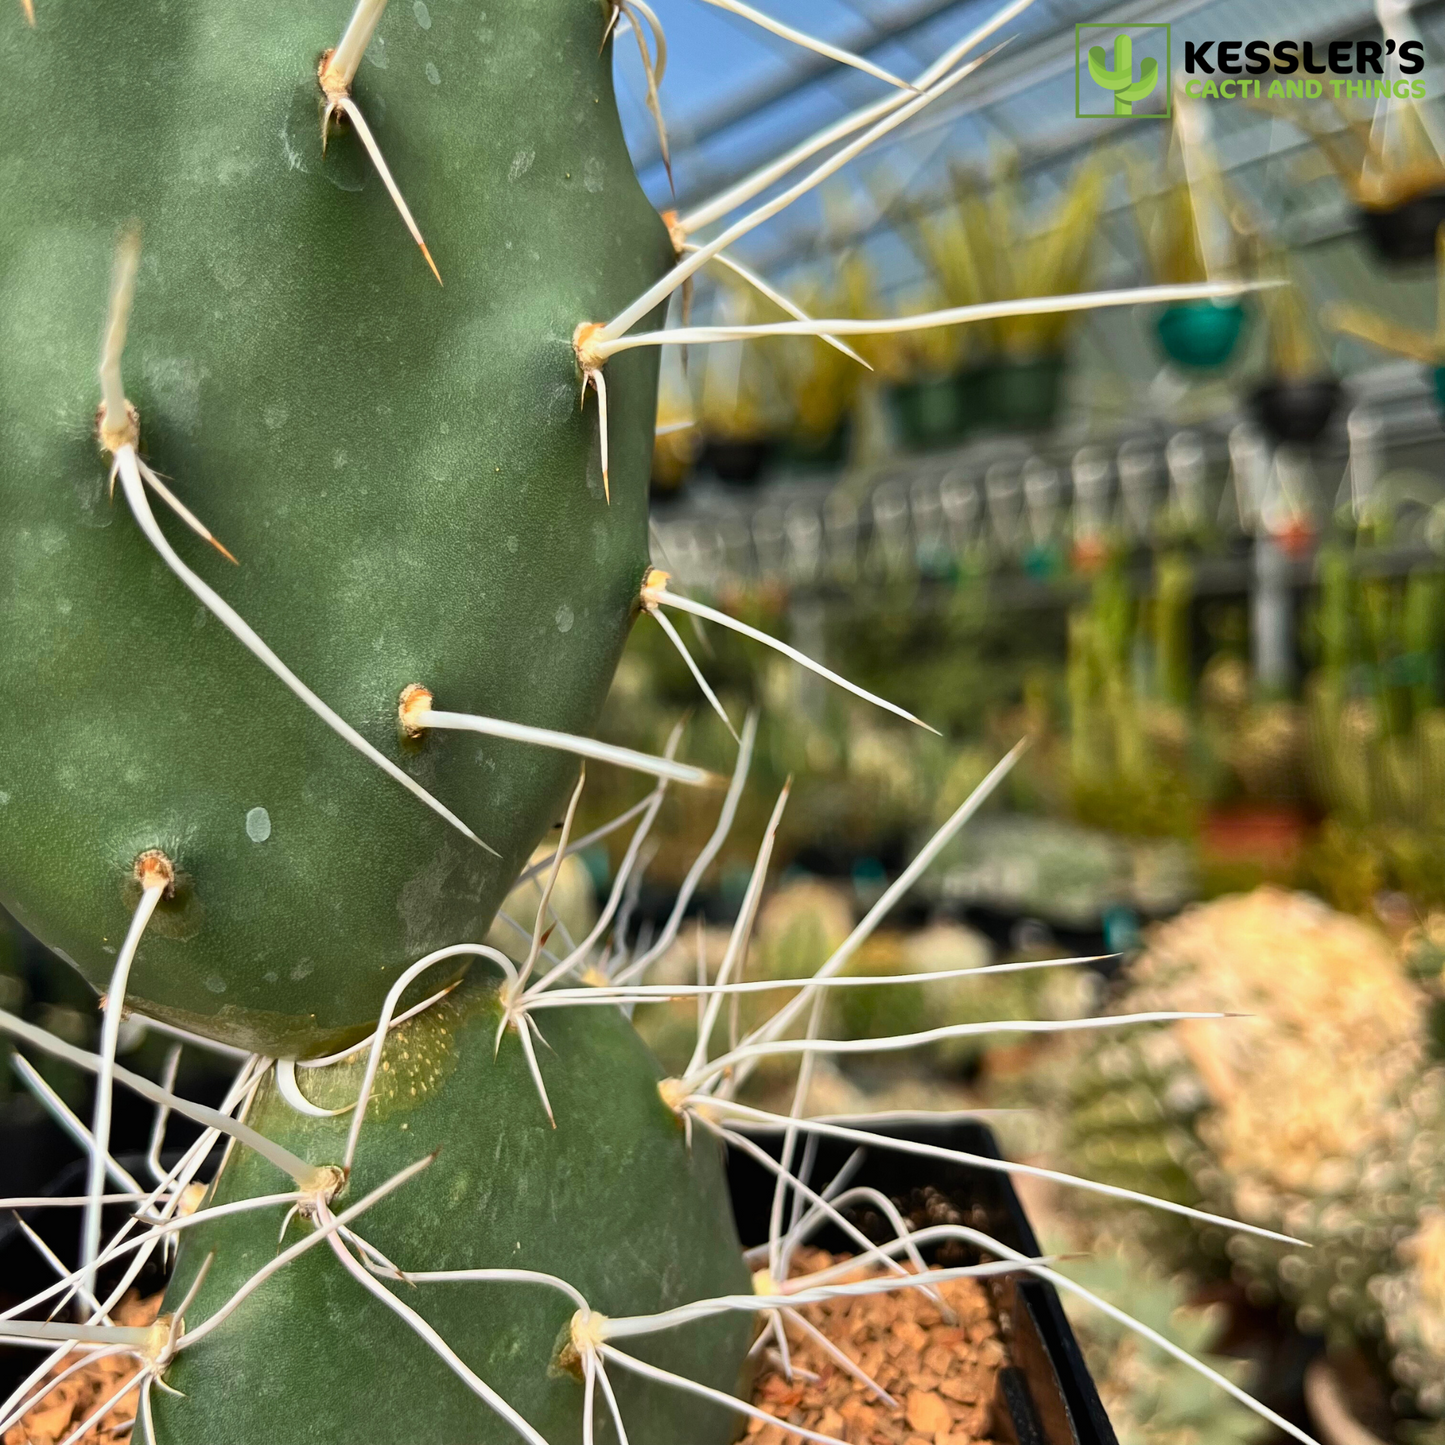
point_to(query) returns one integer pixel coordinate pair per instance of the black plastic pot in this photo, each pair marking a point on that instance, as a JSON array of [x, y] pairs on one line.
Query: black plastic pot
[[1296, 411], [1024, 395], [932, 413], [1045, 1395], [739, 462], [824, 453], [1406, 232]]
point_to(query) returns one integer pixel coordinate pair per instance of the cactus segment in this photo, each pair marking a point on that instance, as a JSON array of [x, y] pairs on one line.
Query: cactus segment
[[401, 469], [610, 1201]]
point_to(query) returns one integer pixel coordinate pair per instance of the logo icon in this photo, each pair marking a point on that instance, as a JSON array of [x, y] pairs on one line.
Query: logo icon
[[1132, 77]]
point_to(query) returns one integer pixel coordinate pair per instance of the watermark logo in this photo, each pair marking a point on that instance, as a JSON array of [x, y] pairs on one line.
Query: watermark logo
[[1122, 70]]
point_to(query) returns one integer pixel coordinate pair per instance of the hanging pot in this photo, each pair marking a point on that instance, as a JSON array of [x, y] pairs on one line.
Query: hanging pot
[[738, 460], [819, 453], [931, 413], [1296, 409], [1437, 380], [1025, 395], [1200, 335], [1404, 232]]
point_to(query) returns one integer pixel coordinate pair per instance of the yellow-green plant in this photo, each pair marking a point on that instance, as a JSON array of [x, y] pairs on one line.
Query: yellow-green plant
[[1426, 347], [1379, 166], [1127, 749], [821, 383], [1187, 219], [986, 244], [1296, 352]]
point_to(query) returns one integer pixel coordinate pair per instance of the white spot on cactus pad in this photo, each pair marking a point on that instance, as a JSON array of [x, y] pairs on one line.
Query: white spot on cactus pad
[[521, 164], [216, 984], [433, 74], [376, 52], [258, 825], [564, 618], [92, 499], [293, 156], [423, 15], [512, 545], [4, 799], [176, 383], [592, 175]]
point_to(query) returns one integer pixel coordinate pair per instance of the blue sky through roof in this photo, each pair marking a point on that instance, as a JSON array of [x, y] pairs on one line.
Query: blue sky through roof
[[716, 57]]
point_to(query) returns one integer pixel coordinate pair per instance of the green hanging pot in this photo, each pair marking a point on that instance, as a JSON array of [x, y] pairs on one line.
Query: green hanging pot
[[930, 413], [1024, 395], [1200, 335], [827, 452]]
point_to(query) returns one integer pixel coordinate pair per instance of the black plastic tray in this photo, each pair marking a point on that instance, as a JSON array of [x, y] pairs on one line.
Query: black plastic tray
[[1045, 1394]]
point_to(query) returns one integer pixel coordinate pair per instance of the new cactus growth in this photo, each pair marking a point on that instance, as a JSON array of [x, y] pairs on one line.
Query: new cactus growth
[[272, 806], [506, 1194]]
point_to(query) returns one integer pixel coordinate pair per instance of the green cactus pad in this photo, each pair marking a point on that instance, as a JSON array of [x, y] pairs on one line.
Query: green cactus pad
[[612, 1201], [402, 470]]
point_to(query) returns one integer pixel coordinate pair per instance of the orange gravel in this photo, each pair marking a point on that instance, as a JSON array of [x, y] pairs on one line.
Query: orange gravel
[[59, 1411], [942, 1375]]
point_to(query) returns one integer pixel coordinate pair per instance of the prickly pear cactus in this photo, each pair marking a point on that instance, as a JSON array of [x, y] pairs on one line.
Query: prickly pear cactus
[[421, 516], [612, 1200], [400, 468]]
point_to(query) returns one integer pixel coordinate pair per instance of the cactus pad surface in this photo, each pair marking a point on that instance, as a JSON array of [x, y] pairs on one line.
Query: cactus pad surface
[[612, 1200], [401, 469]]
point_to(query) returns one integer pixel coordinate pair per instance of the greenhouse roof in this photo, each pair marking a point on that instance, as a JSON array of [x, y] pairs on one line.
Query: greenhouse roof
[[735, 95]]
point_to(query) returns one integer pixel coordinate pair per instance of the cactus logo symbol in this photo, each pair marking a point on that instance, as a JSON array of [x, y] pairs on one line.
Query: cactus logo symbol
[[1135, 82], [1120, 79]]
